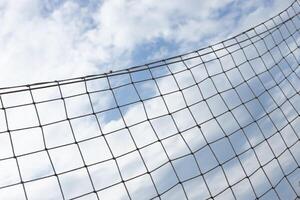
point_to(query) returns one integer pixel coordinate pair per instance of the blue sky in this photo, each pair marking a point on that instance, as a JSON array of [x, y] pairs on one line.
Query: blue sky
[[59, 39]]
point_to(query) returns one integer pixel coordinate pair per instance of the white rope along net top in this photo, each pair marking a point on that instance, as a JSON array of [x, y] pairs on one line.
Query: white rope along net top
[[221, 122]]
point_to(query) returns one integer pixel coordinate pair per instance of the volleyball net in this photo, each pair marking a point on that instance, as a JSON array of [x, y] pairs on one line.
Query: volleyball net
[[221, 122]]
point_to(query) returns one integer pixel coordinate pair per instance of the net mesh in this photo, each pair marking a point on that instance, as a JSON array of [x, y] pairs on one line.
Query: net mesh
[[221, 122]]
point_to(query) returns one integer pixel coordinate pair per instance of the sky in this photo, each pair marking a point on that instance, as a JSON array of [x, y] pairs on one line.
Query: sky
[[45, 40], [169, 113]]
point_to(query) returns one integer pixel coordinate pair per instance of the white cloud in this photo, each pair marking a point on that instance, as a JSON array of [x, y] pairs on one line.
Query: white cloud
[[45, 41]]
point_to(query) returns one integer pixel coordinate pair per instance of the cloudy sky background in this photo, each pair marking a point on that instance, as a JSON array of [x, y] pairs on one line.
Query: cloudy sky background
[[49, 40], [46, 40]]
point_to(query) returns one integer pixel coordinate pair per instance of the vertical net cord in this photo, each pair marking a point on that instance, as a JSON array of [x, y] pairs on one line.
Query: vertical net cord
[[278, 108], [98, 125], [44, 142], [200, 127], [233, 117], [13, 151], [77, 145], [255, 121], [140, 99]]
